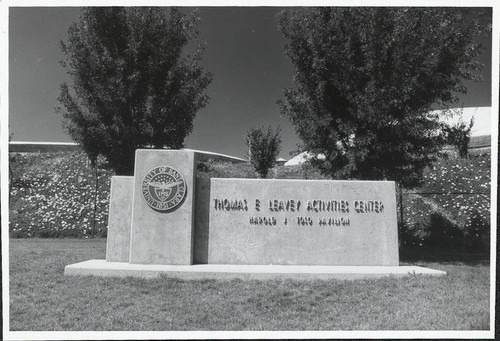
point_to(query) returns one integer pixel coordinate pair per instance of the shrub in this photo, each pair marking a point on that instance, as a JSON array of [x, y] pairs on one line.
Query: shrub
[[453, 204], [459, 136], [264, 148], [443, 233], [416, 221], [477, 236], [221, 169], [52, 195]]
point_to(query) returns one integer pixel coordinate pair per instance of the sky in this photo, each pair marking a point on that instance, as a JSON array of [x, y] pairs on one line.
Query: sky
[[244, 53]]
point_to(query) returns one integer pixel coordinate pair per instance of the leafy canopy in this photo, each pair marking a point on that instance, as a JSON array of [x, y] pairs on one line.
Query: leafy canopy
[[368, 79], [264, 147], [132, 84]]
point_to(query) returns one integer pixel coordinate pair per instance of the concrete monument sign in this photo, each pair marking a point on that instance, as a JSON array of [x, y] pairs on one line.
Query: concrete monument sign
[[302, 222], [166, 220]]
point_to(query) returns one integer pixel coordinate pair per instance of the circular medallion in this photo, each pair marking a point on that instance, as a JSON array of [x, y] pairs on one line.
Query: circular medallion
[[164, 188]]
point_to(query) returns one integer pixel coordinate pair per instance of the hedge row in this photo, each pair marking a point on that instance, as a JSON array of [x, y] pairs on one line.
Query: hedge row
[[452, 209], [53, 195]]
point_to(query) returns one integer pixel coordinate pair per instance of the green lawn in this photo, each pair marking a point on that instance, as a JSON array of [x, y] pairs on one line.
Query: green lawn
[[42, 298]]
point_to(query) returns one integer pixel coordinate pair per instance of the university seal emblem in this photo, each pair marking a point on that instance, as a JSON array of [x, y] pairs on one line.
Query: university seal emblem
[[164, 188]]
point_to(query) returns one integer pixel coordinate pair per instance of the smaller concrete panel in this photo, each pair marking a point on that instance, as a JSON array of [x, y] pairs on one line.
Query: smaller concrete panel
[[119, 219], [162, 216], [99, 267], [201, 221]]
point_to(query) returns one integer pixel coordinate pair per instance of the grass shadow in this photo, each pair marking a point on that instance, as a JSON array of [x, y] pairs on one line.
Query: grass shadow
[[411, 254]]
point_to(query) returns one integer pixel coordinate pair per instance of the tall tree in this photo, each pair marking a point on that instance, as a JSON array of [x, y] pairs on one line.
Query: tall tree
[[133, 83], [368, 79]]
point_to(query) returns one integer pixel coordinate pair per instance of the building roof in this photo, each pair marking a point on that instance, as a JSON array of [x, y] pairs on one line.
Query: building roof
[[42, 147], [204, 155], [482, 119], [301, 158], [52, 147], [482, 141]]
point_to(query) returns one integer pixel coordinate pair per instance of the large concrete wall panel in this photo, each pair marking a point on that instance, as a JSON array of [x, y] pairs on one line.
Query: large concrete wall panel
[[302, 222]]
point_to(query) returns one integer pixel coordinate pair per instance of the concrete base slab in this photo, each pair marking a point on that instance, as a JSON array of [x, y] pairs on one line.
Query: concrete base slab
[[98, 267]]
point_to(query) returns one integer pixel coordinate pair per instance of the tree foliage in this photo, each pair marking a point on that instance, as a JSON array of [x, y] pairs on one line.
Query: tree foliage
[[459, 136], [368, 79], [133, 85], [264, 147]]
